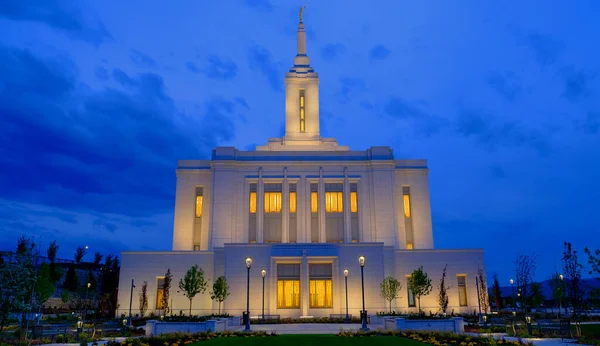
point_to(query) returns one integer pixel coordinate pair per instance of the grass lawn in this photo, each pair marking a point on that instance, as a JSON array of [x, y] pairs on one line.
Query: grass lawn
[[304, 340]]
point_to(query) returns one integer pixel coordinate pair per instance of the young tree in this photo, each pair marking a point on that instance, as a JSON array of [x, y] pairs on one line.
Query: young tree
[[17, 276], [420, 284], [166, 288], [144, 299], [193, 283], [79, 253], [483, 293], [389, 289], [524, 272], [572, 269], [558, 289], [108, 282], [443, 291], [44, 287], [220, 291], [71, 282], [55, 272], [97, 258], [497, 293]]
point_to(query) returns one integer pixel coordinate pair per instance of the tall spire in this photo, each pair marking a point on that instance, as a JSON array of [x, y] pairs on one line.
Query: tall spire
[[301, 58]]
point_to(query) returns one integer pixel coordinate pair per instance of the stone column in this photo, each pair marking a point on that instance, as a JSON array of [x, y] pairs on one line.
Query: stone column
[[346, 198], [307, 213], [304, 288], [300, 211], [285, 208], [322, 223], [260, 207]]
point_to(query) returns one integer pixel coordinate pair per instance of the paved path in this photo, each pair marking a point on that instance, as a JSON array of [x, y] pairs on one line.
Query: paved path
[[305, 328]]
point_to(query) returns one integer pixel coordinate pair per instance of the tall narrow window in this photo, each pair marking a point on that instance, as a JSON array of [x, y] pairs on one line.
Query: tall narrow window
[[272, 202], [199, 199], [253, 202], [302, 102], [409, 293], [353, 202], [314, 202], [320, 287], [334, 202], [408, 225], [292, 202], [160, 292], [288, 286], [462, 289]]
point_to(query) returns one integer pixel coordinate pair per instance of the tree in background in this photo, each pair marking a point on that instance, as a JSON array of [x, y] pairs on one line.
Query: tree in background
[[389, 288], [536, 296], [109, 283], [79, 253], [193, 283], [443, 292], [166, 288], [420, 284], [558, 289], [71, 282], [524, 271], [497, 292], [55, 272], [17, 276], [572, 269], [594, 262], [220, 291], [97, 258], [44, 287], [483, 293], [143, 299]]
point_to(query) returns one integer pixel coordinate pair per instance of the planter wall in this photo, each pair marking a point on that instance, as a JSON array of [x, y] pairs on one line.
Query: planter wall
[[154, 327], [456, 324]]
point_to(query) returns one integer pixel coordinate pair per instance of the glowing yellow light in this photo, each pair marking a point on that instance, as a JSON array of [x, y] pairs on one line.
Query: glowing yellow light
[[321, 294], [252, 202], [292, 202], [272, 202], [334, 202], [407, 205], [288, 294], [314, 202], [301, 101], [199, 206], [409, 246], [353, 202]]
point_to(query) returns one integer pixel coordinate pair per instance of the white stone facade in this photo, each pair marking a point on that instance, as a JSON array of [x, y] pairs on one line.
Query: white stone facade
[[347, 204]]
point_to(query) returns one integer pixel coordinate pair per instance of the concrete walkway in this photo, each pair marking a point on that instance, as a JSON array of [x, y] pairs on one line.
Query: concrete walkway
[[305, 328]]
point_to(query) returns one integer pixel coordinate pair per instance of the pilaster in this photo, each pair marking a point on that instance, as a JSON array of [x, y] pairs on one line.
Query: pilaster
[[347, 215], [260, 207], [322, 223], [285, 208]]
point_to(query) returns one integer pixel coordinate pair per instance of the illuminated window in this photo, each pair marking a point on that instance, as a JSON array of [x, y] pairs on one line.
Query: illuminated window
[[410, 295], [314, 202], [272, 202], [409, 246], [302, 109], [321, 294], [333, 202], [199, 206], [288, 294], [252, 202], [462, 289], [407, 205], [353, 202], [159, 292], [292, 202]]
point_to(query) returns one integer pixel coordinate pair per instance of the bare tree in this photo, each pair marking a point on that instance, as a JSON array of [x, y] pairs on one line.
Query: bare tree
[[524, 271], [572, 269], [483, 294], [497, 292], [166, 288], [144, 299], [443, 291]]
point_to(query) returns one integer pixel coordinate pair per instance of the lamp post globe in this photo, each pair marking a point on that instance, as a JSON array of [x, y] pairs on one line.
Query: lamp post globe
[[346, 279], [247, 312], [363, 313], [263, 273]]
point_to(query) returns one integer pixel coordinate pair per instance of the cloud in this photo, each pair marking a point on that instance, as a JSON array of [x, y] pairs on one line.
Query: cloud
[[591, 123], [141, 60], [379, 52], [215, 68], [506, 84], [545, 48], [493, 134], [350, 86], [101, 73], [576, 87], [261, 60], [424, 123], [261, 5], [105, 225], [331, 51], [110, 151], [58, 15]]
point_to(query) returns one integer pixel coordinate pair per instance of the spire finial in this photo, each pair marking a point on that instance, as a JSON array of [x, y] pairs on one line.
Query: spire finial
[[302, 12]]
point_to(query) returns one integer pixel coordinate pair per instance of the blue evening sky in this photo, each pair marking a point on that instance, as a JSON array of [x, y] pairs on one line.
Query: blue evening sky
[[99, 99]]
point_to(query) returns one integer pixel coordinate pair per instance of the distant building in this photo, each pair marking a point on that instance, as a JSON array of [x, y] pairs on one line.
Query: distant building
[[304, 208]]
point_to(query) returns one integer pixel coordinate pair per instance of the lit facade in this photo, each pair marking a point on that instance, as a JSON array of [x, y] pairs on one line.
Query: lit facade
[[304, 209]]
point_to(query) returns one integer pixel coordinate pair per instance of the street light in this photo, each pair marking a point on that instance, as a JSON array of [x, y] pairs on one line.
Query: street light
[[124, 325], [561, 277], [79, 326], [346, 278], [512, 288], [263, 273], [247, 312], [130, 301], [85, 303], [363, 313], [529, 329]]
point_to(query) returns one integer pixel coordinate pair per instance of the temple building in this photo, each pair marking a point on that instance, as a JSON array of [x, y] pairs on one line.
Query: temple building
[[303, 208]]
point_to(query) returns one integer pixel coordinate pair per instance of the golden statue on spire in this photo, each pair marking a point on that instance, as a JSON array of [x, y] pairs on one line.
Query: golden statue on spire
[[302, 12]]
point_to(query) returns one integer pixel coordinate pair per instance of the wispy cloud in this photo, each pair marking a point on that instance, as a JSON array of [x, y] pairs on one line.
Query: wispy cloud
[[379, 52], [215, 67], [332, 51], [141, 60], [261, 60]]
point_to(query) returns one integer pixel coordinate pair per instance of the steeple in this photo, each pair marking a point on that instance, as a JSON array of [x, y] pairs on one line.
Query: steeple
[[302, 130]]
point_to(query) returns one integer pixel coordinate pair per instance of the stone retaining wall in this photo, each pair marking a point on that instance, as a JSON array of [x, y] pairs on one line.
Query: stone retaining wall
[[456, 324]]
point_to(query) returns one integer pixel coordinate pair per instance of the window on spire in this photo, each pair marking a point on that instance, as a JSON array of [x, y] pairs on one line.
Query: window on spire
[[302, 102]]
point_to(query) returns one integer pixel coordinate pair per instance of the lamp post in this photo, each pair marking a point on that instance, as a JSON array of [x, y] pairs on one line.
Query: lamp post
[[79, 326], [512, 288], [247, 312], [130, 301], [263, 273], [346, 279], [85, 302], [363, 313], [124, 325], [560, 294], [528, 320]]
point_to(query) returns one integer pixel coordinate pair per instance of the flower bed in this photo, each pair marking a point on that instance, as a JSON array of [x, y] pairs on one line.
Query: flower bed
[[436, 339], [181, 339], [288, 320]]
